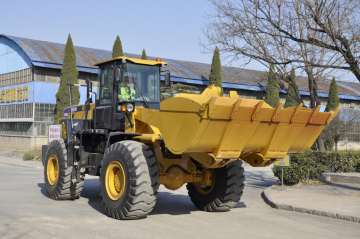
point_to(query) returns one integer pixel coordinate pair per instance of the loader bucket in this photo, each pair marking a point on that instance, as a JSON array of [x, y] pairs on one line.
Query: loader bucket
[[216, 130]]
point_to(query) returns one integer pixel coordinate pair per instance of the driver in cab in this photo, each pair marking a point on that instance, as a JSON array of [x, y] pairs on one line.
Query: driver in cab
[[127, 92]]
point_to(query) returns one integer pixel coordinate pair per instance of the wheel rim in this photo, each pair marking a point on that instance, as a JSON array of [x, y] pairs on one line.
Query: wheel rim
[[53, 169], [206, 190], [115, 180]]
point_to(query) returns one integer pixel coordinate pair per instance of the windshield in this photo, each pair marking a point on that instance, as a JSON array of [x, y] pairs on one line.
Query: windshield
[[139, 82]]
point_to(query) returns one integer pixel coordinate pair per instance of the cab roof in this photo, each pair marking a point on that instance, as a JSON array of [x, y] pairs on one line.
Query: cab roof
[[134, 60]]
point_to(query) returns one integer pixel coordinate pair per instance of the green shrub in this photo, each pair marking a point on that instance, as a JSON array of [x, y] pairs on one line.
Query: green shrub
[[33, 155], [28, 156], [309, 165]]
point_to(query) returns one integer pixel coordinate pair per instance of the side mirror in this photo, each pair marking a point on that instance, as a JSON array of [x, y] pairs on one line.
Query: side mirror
[[117, 75], [167, 78], [89, 88]]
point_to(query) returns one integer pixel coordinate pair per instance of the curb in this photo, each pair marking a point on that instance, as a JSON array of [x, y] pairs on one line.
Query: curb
[[273, 204], [340, 177]]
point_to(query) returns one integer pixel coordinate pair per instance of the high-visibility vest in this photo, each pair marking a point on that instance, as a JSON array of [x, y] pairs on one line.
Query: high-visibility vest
[[125, 96]]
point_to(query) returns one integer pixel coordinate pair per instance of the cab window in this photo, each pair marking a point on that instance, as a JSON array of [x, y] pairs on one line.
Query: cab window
[[140, 81], [106, 79]]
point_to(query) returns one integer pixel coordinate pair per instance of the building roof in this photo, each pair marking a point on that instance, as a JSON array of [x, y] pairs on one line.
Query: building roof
[[48, 54]]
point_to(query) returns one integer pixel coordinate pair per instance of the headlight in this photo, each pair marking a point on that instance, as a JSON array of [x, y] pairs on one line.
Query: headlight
[[129, 107]]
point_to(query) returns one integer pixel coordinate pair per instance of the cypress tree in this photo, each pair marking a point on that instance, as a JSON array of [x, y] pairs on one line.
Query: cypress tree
[[143, 56], [272, 93], [215, 73], [333, 100], [290, 101], [117, 48], [69, 74]]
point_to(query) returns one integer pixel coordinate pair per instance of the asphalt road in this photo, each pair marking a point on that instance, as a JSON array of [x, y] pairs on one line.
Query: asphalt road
[[27, 212]]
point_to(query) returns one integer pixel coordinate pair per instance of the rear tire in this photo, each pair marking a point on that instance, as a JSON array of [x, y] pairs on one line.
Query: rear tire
[[128, 180], [58, 175], [225, 192]]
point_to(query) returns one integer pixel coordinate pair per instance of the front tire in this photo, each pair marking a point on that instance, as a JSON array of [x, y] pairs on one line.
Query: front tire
[[224, 194], [128, 180], [58, 175]]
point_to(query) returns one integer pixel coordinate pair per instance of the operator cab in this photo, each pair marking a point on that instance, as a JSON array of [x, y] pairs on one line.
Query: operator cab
[[124, 79], [124, 83]]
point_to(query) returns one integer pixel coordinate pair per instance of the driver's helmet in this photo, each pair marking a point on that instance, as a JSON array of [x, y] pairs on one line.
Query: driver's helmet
[[128, 80]]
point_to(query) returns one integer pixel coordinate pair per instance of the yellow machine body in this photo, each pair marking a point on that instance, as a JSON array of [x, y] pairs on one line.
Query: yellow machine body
[[216, 130]]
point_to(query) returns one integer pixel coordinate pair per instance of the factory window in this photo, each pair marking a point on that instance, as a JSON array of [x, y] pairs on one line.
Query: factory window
[[260, 95], [16, 128], [40, 74], [53, 75], [44, 115], [241, 93], [41, 128], [85, 75], [44, 112], [16, 111], [344, 103], [250, 94], [47, 75], [16, 77]]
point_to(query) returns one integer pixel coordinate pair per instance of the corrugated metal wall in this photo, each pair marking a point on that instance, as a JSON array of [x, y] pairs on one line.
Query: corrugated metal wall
[[12, 57]]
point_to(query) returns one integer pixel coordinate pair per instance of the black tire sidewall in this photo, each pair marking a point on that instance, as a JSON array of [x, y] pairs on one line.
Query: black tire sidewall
[[118, 157], [53, 149], [223, 190], [215, 192]]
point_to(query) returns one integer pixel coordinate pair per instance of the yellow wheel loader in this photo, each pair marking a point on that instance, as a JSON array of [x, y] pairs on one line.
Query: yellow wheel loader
[[134, 142]]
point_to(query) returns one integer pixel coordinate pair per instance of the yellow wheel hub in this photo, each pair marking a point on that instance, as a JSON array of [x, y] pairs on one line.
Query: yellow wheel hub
[[207, 184], [115, 180], [53, 169]]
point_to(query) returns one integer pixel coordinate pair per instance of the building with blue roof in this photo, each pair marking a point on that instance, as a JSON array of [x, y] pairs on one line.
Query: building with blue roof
[[30, 76]]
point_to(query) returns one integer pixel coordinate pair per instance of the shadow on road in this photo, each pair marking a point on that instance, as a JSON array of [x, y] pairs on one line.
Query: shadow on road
[[43, 189], [91, 191], [167, 202], [173, 204], [177, 204]]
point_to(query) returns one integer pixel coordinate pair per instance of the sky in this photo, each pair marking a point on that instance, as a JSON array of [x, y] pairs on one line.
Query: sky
[[166, 29]]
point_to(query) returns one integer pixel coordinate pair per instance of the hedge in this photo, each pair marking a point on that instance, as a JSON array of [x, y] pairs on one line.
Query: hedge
[[311, 164]]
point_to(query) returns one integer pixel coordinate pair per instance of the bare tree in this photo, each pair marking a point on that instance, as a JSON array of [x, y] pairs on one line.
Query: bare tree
[[268, 31], [332, 25], [342, 125], [249, 30]]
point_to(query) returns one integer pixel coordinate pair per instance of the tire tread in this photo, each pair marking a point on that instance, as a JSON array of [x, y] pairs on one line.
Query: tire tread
[[64, 188], [143, 175], [229, 190]]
